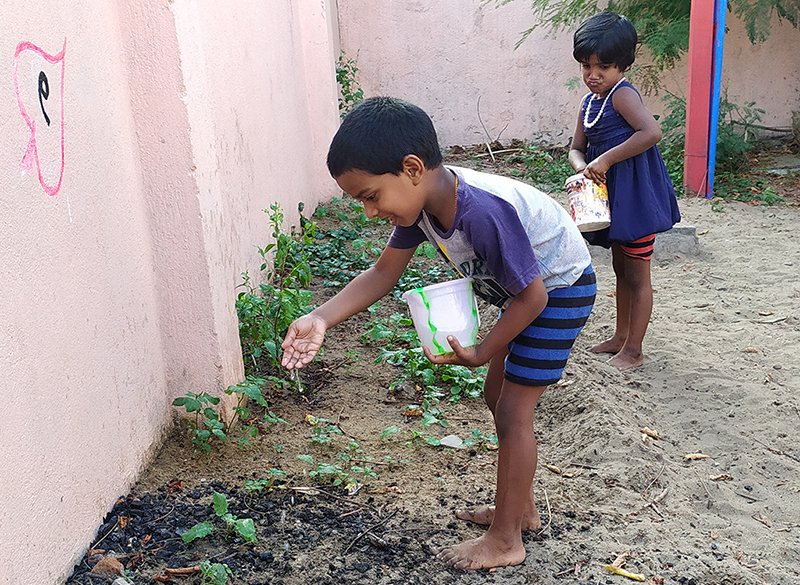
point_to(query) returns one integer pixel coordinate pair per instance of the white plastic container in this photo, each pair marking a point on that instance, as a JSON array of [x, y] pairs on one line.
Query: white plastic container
[[588, 203], [447, 308]]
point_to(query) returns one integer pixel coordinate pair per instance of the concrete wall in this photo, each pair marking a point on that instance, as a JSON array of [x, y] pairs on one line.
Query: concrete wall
[[447, 55], [124, 226]]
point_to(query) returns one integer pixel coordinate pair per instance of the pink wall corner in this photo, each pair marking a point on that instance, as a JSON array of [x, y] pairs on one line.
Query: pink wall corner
[[117, 290]]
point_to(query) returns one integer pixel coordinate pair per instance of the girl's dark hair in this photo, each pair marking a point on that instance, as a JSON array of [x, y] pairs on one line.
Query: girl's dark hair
[[608, 35], [377, 135]]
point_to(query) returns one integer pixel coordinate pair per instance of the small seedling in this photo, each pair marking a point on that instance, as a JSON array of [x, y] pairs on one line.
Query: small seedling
[[244, 527], [214, 573]]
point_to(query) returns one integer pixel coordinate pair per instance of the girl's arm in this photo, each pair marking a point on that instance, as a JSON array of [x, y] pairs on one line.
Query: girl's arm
[[305, 335], [577, 152], [647, 133]]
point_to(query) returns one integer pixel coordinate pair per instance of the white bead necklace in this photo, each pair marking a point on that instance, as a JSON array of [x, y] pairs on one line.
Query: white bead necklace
[[586, 122]]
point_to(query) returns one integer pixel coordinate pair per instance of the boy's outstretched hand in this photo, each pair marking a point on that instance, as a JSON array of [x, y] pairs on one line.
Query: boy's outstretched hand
[[302, 341], [461, 356]]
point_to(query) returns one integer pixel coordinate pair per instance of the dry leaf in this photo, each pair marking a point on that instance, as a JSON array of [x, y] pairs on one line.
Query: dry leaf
[[650, 433], [107, 567], [749, 350], [694, 456], [553, 468]]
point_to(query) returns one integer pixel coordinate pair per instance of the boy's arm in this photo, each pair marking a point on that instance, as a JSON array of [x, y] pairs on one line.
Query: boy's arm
[[305, 335], [577, 151], [525, 307]]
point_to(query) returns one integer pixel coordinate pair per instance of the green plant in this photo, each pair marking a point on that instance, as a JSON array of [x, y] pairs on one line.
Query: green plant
[[244, 527], [207, 422], [735, 137], [251, 390], [489, 442], [546, 168], [349, 92], [214, 573], [735, 134], [391, 331], [336, 476], [340, 254], [413, 437], [258, 485], [323, 431], [266, 313]]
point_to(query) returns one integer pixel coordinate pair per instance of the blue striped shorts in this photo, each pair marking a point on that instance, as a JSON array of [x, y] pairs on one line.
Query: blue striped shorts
[[537, 356]]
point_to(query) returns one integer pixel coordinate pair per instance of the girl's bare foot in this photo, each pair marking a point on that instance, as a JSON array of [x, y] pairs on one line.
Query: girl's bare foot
[[485, 514], [625, 360], [484, 552], [612, 345]]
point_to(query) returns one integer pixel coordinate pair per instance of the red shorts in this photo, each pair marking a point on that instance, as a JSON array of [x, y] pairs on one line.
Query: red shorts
[[641, 248]]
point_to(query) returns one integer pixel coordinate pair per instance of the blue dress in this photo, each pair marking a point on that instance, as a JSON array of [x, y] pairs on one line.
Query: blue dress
[[640, 193]]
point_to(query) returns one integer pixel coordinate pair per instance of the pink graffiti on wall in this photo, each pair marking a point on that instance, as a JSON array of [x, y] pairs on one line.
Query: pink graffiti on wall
[[36, 105]]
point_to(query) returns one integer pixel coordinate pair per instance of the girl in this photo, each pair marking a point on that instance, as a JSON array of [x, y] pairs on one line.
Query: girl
[[615, 143]]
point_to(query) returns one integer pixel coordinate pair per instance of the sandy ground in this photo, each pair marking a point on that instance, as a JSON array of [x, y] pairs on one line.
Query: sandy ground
[[715, 499], [721, 379]]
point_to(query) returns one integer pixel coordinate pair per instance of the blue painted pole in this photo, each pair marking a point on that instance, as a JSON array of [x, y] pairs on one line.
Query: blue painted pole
[[721, 8]]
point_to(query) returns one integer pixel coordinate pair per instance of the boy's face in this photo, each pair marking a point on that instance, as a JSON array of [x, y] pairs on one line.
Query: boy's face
[[396, 198], [600, 77]]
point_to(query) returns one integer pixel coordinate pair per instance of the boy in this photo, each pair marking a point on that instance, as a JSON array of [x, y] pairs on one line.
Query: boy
[[525, 255]]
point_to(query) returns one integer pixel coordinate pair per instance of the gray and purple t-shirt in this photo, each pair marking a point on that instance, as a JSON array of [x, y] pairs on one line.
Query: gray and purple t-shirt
[[505, 234]]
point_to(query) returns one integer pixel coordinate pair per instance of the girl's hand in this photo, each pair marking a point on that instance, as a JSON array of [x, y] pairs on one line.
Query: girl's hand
[[460, 356], [303, 341], [596, 170]]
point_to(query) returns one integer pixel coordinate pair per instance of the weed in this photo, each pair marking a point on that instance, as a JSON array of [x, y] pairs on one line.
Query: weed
[[413, 437], [349, 91], [334, 475], [546, 168], [207, 422], [478, 438], [323, 431], [258, 485], [340, 254], [395, 329], [251, 390], [265, 313]]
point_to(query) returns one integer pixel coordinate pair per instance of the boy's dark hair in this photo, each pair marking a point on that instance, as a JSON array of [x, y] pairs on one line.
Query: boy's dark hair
[[608, 35], [377, 135]]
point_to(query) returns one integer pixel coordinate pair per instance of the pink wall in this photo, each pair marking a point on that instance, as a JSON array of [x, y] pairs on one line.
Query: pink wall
[[182, 120], [444, 55]]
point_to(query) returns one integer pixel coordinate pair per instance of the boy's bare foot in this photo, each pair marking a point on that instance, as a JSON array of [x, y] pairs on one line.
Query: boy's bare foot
[[485, 514], [608, 346], [626, 361], [484, 552]]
